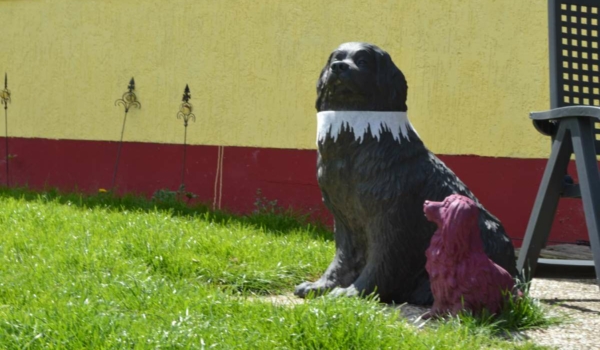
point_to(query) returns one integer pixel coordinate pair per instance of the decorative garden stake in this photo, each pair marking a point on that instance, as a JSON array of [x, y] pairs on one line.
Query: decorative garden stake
[[462, 276], [185, 113], [5, 99], [128, 100]]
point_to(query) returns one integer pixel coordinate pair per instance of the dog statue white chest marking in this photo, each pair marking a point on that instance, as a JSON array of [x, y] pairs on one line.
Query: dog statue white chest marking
[[332, 122]]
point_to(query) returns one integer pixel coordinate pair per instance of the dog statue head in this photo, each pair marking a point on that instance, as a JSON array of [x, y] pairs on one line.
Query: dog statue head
[[457, 220], [361, 77]]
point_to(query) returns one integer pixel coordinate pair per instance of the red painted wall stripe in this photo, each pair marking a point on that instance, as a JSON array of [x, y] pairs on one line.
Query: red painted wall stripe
[[506, 186]]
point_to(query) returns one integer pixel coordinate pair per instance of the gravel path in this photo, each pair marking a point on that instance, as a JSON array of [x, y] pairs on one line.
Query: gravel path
[[579, 300]]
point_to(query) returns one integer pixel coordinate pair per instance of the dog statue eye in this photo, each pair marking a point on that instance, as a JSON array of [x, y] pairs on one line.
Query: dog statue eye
[[361, 63]]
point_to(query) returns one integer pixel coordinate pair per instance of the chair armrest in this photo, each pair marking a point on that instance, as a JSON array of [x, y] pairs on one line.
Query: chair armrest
[[567, 112], [544, 121]]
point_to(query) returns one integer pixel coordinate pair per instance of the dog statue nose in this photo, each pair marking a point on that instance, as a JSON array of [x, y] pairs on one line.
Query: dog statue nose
[[338, 67]]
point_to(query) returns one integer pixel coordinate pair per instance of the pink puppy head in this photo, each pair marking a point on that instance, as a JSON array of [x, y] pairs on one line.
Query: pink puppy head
[[457, 220]]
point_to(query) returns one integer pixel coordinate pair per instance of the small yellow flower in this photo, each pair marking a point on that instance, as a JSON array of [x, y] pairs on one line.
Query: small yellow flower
[[102, 190]]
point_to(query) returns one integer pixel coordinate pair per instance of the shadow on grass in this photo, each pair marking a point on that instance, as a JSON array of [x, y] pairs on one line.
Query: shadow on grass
[[276, 221]]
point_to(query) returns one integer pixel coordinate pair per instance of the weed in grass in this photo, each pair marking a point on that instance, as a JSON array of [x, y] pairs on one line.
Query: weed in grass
[[518, 314], [264, 206], [169, 197]]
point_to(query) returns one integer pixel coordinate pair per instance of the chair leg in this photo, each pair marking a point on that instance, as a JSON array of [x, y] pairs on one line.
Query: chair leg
[[546, 202], [589, 182]]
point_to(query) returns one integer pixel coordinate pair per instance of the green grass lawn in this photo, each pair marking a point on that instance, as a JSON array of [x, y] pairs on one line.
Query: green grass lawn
[[101, 272]]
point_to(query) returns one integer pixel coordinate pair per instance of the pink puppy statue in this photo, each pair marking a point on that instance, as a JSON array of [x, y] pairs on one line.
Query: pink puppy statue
[[462, 276]]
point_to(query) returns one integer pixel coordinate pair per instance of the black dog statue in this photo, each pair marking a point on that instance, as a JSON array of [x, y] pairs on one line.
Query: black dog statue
[[375, 174]]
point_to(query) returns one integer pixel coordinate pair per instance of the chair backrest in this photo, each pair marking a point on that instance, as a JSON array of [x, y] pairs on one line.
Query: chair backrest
[[574, 32]]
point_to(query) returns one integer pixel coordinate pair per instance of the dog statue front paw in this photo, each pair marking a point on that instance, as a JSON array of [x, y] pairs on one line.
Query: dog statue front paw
[[313, 288], [349, 291]]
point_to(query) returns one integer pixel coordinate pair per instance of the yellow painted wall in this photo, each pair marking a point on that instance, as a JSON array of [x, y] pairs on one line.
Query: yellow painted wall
[[475, 68]]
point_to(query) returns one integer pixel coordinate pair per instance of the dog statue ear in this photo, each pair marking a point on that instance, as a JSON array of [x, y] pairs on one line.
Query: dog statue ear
[[321, 82], [391, 81], [461, 226]]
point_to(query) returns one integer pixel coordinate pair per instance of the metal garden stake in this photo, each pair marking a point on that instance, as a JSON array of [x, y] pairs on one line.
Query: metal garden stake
[[5, 99], [185, 113], [128, 100]]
